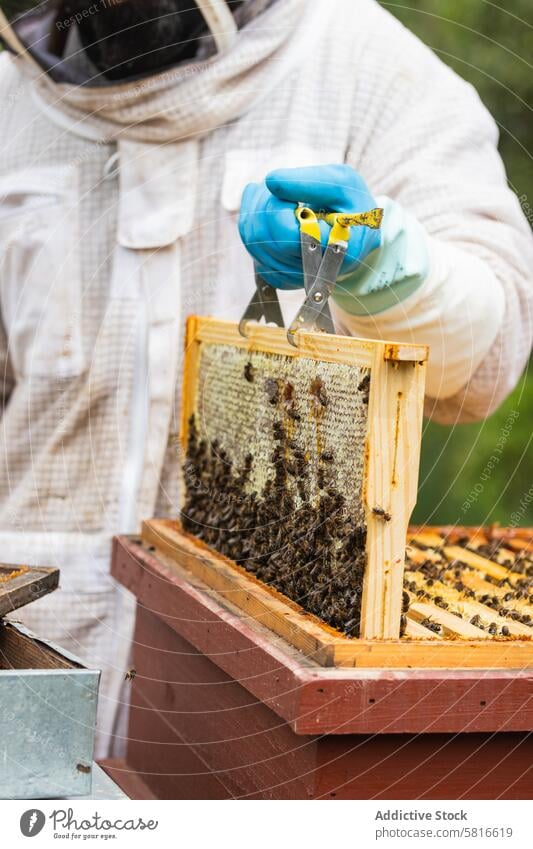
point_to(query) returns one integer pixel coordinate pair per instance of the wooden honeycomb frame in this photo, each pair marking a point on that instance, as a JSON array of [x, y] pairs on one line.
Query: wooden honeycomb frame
[[391, 449]]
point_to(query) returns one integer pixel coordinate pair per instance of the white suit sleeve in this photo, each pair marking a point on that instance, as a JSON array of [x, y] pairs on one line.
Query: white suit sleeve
[[428, 143]]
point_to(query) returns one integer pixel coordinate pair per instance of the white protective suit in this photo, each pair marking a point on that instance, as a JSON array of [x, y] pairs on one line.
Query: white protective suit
[[118, 211]]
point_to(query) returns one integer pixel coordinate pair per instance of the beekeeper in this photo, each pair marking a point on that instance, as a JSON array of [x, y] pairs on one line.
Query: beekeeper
[[128, 133]]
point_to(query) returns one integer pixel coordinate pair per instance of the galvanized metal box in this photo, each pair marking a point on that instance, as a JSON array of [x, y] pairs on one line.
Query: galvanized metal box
[[48, 706]]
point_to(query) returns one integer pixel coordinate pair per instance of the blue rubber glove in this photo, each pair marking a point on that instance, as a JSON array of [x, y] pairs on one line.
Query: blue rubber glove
[[270, 230]]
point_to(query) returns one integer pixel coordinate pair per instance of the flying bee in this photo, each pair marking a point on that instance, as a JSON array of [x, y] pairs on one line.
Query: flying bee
[[130, 674]]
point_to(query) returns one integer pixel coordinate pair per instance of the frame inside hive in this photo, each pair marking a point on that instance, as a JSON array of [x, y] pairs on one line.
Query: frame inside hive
[[312, 450], [457, 643]]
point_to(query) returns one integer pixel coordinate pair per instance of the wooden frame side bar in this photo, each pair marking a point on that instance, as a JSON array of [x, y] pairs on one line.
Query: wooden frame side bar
[[392, 458]]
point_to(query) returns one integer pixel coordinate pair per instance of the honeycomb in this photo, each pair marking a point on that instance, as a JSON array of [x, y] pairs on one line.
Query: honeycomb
[[273, 473]]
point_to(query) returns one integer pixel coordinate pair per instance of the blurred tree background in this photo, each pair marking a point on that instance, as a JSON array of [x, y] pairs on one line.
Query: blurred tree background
[[491, 45]]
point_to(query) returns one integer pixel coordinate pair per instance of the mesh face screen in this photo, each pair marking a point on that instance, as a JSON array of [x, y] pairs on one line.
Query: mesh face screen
[[274, 473]]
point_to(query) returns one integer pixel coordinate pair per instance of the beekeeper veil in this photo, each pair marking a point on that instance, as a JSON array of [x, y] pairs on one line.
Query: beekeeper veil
[[91, 42]]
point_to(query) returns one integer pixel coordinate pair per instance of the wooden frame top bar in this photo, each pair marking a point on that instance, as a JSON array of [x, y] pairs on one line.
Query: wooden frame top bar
[[320, 346]]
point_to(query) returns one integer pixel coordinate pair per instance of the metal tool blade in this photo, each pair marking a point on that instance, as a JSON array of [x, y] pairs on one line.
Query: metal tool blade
[[263, 304], [314, 313], [311, 259]]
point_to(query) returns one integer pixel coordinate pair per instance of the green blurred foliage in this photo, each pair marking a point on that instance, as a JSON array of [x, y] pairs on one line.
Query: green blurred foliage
[[480, 473], [491, 45]]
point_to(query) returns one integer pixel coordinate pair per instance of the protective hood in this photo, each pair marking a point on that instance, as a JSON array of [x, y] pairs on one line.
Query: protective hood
[[186, 100], [95, 42]]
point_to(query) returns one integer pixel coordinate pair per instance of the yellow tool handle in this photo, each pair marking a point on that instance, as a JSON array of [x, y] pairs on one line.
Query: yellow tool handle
[[308, 221], [340, 222]]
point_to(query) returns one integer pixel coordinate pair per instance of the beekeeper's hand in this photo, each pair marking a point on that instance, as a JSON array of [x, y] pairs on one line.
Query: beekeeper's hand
[[270, 230], [381, 267]]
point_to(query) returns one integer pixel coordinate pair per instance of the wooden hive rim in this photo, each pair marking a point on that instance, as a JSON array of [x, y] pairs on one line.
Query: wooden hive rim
[[326, 645]]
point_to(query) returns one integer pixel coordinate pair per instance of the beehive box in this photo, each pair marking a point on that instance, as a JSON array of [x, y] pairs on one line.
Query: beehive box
[[47, 702], [300, 475]]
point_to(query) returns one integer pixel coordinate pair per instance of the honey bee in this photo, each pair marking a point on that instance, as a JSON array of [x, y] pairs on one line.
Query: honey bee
[[379, 511], [272, 390], [431, 626], [130, 674], [318, 392]]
